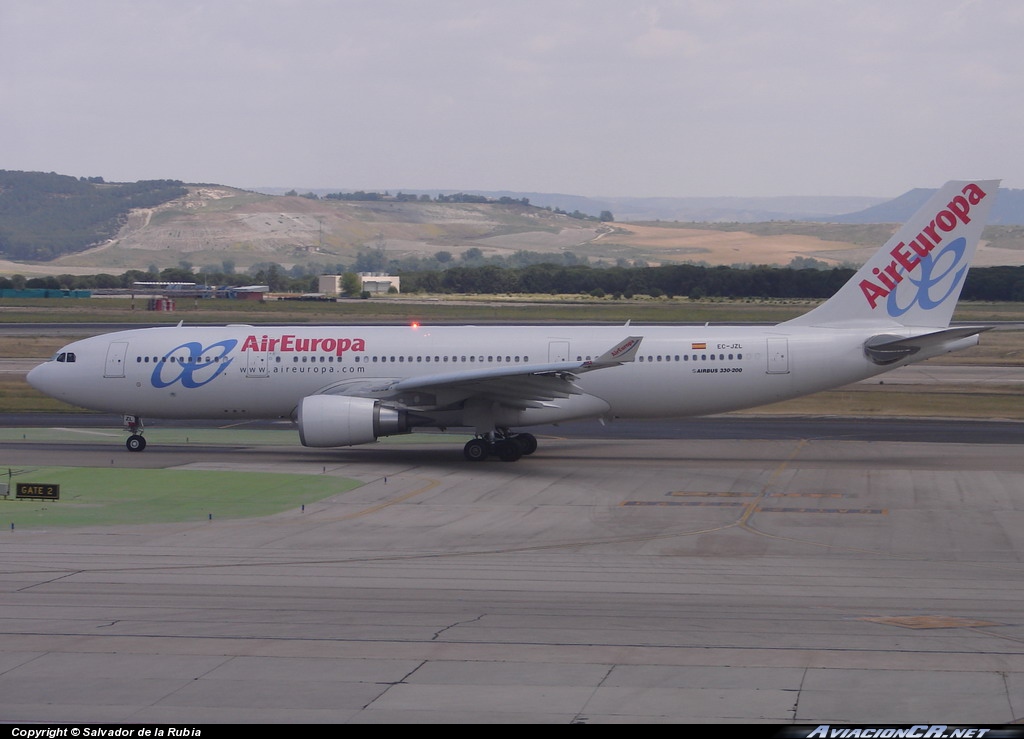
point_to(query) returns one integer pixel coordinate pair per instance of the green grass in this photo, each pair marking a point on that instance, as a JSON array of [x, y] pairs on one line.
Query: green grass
[[105, 497]]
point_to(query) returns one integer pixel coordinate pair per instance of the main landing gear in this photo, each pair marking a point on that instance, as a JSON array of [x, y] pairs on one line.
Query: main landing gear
[[501, 443], [136, 442]]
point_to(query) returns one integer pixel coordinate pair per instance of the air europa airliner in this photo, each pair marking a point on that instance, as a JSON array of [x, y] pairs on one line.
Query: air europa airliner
[[348, 385]]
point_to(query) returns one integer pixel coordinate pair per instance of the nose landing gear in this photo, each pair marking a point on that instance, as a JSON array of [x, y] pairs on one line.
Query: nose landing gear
[[136, 442]]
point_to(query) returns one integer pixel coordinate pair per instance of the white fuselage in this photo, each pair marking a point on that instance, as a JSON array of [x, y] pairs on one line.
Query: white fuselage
[[259, 372]]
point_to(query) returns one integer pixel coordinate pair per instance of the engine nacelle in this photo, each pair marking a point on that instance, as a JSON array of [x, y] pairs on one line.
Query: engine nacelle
[[341, 420]]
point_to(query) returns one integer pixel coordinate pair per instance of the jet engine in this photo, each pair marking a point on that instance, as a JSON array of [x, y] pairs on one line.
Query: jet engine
[[342, 420]]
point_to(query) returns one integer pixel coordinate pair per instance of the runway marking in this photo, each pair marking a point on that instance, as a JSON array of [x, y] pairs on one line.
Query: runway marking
[[756, 508], [744, 521], [867, 511], [693, 503], [86, 431], [805, 495], [685, 494], [385, 504], [929, 622]]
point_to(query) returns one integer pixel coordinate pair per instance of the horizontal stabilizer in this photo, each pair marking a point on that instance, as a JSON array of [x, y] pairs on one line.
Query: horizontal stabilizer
[[887, 349]]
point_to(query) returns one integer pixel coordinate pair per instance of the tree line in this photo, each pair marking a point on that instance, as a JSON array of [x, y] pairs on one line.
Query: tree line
[[996, 284], [606, 216]]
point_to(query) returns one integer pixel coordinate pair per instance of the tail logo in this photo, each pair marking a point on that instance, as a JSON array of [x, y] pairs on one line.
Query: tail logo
[[920, 254], [951, 273]]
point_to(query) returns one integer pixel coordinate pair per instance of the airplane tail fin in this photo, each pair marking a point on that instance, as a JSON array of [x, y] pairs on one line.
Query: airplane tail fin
[[916, 278]]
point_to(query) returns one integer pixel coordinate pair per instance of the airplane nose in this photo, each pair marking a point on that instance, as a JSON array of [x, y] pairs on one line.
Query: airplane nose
[[37, 378]]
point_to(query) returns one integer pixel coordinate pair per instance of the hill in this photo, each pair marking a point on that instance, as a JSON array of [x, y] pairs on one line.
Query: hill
[[44, 215], [695, 209], [1007, 211], [227, 229], [215, 225]]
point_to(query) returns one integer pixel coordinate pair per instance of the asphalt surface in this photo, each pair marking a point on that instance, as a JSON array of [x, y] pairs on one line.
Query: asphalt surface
[[801, 574]]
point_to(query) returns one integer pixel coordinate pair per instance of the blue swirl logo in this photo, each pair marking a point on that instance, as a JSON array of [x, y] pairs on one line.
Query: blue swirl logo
[[940, 270], [202, 365]]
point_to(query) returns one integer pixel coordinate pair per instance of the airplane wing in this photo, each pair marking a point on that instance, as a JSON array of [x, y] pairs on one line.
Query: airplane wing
[[516, 386]]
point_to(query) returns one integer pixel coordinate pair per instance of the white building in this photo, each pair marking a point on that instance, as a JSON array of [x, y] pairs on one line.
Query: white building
[[375, 283], [378, 283], [330, 285]]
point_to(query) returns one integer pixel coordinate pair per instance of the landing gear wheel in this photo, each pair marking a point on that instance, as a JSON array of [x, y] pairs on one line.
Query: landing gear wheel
[[136, 443], [527, 442], [476, 450], [508, 450]]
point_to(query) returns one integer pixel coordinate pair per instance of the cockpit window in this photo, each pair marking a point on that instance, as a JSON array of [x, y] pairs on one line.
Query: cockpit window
[[65, 357]]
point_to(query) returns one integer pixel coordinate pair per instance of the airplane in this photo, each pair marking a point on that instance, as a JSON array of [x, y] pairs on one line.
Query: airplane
[[350, 385]]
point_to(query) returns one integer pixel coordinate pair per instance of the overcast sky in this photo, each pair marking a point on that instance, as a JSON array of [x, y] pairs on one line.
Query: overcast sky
[[588, 97]]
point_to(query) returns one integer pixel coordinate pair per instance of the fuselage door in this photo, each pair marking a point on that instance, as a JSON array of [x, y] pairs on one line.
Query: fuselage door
[[116, 353], [257, 364], [558, 351], [778, 355]]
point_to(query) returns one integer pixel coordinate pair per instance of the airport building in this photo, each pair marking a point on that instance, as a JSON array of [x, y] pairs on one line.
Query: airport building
[[375, 283]]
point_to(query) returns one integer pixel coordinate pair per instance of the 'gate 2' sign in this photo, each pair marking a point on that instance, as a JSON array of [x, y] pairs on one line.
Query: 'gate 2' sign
[[38, 490]]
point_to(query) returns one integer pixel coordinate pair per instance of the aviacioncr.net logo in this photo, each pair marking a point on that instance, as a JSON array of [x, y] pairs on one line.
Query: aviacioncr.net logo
[[936, 277], [192, 364]]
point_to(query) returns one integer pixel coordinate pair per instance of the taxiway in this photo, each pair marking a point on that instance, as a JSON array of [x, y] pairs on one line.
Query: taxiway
[[799, 579]]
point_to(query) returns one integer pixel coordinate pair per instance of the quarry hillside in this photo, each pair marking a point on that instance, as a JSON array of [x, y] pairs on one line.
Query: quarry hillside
[[216, 225]]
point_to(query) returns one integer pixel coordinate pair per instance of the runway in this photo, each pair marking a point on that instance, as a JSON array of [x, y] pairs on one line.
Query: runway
[[798, 579]]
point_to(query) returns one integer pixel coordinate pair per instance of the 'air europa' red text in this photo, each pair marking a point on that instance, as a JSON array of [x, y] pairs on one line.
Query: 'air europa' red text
[[292, 343], [905, 257]]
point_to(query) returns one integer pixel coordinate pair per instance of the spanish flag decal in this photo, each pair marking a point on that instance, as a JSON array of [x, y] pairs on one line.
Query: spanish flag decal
[[698, 345]]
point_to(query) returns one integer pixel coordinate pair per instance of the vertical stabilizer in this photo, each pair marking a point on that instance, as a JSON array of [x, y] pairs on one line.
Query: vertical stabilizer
[[916, 278]]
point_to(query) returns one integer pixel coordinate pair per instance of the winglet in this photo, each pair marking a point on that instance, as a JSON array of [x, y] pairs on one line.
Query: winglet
[[624, 351]]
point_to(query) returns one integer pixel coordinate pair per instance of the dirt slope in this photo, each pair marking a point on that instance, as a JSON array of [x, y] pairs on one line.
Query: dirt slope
[[214, 225]]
